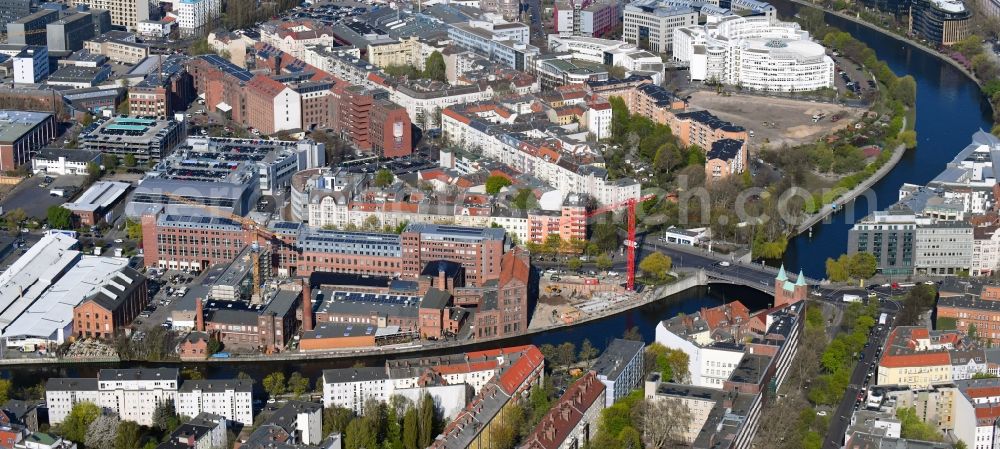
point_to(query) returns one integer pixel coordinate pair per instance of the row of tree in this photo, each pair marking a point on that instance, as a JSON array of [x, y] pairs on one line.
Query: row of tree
[[398, 424]]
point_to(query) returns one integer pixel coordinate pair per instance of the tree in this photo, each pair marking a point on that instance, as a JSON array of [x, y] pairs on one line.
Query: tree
[[123, 107], [393, 431], [88, 118], [909, 138], [336, 419], [663, 421], [214, 344], [130, 160], [972, 331], [587, 350], [5, 386], [495, 183], [632, 334], [274, 384], [574, 264], [93, 172], [434, 67], [14, 219], [75, 426], [59, 217], [837, 269], [671, 363], [411, 432], [427, 420], [133, 229], [129, 435], [360, 434], [656, 265], [165, 417], [565, 354], [102, 432], [912, 427], [863, 265], [298, 384], [905, 90], [384, 178], [604, 262]]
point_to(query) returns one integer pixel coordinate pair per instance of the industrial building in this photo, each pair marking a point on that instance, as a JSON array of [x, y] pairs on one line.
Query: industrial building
[[21, 133]]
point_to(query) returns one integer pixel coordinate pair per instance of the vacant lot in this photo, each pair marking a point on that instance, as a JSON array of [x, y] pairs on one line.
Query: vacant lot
[[774, 121]]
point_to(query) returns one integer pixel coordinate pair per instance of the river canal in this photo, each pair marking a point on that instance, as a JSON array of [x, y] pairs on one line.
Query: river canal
[[950, 108]]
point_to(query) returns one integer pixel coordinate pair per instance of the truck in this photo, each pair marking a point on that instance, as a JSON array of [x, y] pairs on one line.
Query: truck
[[882, 319], [851, 298]]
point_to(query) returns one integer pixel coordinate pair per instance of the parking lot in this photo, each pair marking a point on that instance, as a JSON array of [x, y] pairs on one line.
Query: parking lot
[[164, 298], [33, 194]]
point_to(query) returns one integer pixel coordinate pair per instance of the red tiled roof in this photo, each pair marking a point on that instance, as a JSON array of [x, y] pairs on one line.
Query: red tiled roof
[[265, 86], [520, 371], [926, 358], [567, 413]]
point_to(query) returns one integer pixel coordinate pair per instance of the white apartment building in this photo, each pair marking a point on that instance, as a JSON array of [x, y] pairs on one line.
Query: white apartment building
[[757, 53], [230, 399], [133, 394], [650, 24], [61, 394], [710, 363], [124, 13], [567, 178], [610, 52], [351, 387], [195, 15], [204, 431], [985, 251], [976, 411], [31, 65]]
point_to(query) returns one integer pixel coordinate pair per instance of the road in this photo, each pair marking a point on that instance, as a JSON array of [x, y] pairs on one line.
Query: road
[[868, 364]]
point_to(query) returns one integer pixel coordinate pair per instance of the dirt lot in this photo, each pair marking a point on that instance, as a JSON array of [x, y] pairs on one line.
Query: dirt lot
[[789, 121]]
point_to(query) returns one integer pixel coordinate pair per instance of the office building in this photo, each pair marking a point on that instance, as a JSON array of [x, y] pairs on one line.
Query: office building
[[585, 17], [195, 16], [942, 22], [758, 53], [124, 13], [30, 29], [496, 39], [222, 84], [11, 10], [166, 87], [63, 162], [650, 24], [70, 32], [21, 133], [890, 236], [31, 65]]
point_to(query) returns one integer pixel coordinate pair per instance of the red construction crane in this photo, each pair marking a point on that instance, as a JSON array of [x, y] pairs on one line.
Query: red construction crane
[[630, 243]]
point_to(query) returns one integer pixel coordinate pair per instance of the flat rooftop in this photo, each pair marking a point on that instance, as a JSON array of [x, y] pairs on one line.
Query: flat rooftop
[[101, 195], [15, 124]]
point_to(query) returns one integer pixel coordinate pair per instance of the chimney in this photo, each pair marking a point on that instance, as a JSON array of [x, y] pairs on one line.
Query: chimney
[[441, 277], [199, 320], [307, 308]]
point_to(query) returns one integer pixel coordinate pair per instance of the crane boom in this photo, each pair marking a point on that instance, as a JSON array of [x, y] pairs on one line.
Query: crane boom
[[630, 244], [248, 224]]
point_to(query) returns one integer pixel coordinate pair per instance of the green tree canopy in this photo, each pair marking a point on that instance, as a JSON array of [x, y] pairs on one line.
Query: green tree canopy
[[656, 266], [384, 178], [274, 384], [434, 67], [74, 427], [59, 217], [495, 183]]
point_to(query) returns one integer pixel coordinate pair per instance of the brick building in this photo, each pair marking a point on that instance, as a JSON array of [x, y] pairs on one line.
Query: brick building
[[266, 329], [167, 88], [389, 130], [114, 306], [222, 83], [272, 106], [788, 292], [981, 311], [478, 250], [703, 129]]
